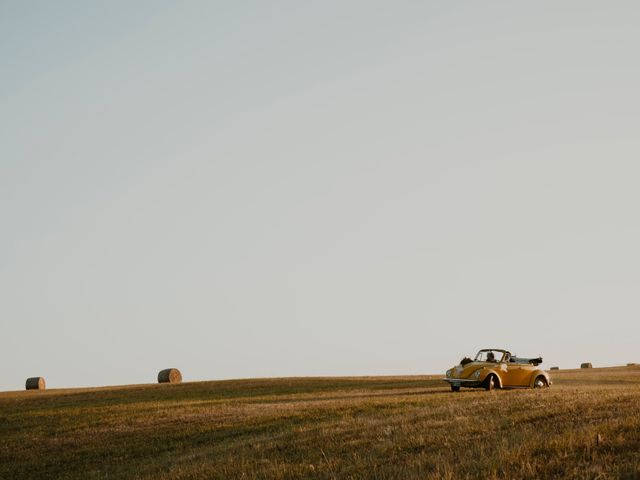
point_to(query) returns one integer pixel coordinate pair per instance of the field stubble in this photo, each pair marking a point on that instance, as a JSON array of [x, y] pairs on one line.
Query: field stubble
[[587, 425]]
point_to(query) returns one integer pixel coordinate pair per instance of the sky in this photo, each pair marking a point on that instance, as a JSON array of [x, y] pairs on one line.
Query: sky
[[285, 188]]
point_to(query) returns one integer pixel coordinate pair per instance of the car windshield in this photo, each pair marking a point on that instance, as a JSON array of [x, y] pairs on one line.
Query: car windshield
[[489, 356]]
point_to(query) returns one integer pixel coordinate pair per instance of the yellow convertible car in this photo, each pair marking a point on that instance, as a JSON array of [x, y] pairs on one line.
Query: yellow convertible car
[[495, 368]]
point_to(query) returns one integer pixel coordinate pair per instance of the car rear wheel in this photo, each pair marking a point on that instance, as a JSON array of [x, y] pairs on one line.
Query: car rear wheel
[[490, 382], [455, 388], [540, 382]]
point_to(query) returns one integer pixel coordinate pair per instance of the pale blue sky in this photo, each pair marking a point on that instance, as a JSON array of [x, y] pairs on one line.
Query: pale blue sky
[[243, 189]]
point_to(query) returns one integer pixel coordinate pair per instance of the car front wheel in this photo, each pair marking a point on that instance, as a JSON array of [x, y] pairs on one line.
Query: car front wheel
[[455, 388], [490, 382]]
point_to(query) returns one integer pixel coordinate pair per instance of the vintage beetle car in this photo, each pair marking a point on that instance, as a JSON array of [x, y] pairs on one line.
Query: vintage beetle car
[[496, 368]]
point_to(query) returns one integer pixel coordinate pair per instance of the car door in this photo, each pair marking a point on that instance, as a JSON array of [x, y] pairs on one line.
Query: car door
[[517, 375], [509, 376]]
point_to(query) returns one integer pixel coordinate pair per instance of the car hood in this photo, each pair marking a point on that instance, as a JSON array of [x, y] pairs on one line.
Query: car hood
[[464, 371]]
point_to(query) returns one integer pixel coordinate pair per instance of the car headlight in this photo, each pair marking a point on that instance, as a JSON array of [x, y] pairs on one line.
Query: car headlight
[[476, 374], [449, 372]]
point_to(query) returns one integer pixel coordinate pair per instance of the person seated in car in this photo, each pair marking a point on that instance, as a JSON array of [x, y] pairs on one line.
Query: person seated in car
[[491, 357]]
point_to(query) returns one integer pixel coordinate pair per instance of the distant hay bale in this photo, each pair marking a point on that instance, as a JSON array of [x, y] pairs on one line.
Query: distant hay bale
[[586, 365], [35, 383], [169, 375], [632, 364], [555, 368]]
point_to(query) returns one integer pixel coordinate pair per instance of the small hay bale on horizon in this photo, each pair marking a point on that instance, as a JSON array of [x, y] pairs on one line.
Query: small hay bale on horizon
[[632, 364], [170, 375], [35, 383], [555, 368], [586, 365]]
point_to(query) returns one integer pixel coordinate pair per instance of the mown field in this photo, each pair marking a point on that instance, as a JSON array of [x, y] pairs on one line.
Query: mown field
[[587, 425]]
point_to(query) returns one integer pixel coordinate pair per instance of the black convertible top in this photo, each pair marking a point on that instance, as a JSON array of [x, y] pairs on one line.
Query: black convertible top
[[531, 361]]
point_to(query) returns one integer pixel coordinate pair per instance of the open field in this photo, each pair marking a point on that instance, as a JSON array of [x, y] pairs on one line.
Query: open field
[[586, 426]]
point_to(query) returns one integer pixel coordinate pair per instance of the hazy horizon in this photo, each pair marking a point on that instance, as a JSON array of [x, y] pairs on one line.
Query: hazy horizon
[[332, 188]]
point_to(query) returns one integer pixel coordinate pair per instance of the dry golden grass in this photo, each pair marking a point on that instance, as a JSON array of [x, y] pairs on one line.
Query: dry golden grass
[[586, 426]]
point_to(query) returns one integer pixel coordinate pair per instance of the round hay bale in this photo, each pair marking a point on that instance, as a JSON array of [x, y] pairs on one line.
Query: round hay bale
[[555, 368], [170, 375], [35, 383], [632, 364], [586, 365]]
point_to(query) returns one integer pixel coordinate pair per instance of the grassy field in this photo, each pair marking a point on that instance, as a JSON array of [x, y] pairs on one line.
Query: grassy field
[[587, 425]]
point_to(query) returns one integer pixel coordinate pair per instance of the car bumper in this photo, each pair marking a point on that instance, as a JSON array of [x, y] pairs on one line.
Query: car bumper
[[462, 382]]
